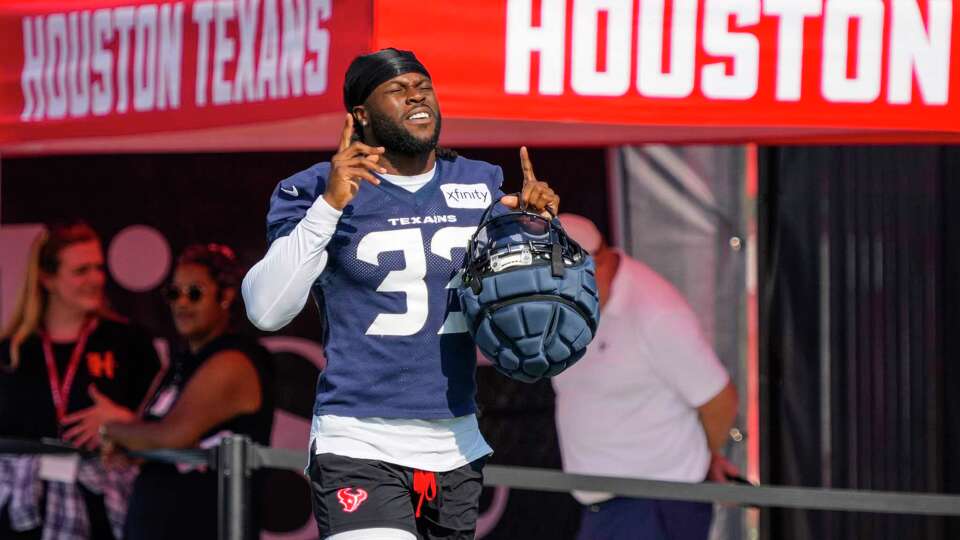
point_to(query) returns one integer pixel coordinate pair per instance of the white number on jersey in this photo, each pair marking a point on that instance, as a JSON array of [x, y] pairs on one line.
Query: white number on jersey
[[410, 279]]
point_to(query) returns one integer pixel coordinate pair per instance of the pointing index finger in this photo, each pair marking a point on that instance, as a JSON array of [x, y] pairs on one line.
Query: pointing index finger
[[347, 134], [527, 166]]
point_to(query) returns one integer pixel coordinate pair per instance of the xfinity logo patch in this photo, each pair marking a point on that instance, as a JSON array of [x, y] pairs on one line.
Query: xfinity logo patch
[[466, 195]]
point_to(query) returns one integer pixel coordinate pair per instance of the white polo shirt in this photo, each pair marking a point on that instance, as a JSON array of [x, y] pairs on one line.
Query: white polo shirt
[[629, 407]]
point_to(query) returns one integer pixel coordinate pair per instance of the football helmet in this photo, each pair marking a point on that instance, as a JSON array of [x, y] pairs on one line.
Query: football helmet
[[529, 294]]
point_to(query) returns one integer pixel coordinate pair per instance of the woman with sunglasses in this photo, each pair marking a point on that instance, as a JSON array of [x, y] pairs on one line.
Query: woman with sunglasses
[[221, 384], [67, 366]]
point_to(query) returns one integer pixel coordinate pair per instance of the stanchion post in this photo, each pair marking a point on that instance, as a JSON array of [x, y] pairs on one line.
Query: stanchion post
[[233, 475]]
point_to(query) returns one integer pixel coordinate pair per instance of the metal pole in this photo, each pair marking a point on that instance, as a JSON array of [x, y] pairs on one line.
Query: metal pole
[[617, 198], [233, 474]]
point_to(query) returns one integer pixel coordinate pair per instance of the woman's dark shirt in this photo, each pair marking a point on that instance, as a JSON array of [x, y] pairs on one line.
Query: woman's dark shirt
[[119, 359], [256, 425], [161, 491]]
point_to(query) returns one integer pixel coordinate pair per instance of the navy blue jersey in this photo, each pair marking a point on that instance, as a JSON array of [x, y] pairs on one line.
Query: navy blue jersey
[[395, 340]]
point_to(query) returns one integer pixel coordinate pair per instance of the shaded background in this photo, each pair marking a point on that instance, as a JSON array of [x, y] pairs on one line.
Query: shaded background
[[223, 198], [859, 314], [858, 279]]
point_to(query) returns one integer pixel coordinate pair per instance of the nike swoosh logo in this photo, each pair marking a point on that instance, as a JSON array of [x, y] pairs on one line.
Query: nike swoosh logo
[[291, 192]]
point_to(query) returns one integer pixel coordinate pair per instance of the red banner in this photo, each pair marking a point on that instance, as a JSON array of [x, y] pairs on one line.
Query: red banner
[[105, 75], [107, 68], [855, 64]]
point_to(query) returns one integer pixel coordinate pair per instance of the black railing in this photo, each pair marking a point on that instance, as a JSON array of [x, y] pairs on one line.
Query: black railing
[[237, 457]]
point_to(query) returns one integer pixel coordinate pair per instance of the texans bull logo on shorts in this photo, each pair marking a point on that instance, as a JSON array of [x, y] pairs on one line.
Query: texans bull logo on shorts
[[351, 499]]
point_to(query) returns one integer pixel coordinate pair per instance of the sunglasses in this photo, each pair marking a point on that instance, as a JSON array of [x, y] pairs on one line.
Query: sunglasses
[[193, 293]]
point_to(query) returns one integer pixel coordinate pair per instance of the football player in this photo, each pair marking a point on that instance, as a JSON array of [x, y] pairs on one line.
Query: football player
[[377, 234]]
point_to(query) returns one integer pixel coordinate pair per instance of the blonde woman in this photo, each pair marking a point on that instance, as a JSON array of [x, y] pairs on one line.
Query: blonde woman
[[67, 366]]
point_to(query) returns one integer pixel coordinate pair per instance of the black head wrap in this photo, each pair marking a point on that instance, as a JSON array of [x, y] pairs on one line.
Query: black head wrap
[[371, 70]]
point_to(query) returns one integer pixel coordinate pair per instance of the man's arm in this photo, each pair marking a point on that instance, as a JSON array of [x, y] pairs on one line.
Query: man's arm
[[717, 416], [277, 287], [685, 360]]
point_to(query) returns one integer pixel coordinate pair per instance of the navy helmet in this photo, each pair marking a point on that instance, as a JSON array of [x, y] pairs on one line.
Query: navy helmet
[[529, 294]]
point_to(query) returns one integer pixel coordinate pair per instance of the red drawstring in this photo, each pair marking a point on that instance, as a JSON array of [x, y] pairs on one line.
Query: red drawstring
[[424, 483]]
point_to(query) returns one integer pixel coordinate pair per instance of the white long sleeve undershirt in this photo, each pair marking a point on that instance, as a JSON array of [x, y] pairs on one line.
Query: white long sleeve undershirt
[[277, 287]]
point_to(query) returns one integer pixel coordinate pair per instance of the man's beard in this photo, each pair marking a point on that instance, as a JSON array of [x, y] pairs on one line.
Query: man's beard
[[395, 138]]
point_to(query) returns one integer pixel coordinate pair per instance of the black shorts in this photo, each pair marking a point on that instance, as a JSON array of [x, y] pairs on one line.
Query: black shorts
[[349, 494]]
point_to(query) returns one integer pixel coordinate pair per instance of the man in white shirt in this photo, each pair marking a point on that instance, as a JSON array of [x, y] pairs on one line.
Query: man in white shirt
[[649, 400]]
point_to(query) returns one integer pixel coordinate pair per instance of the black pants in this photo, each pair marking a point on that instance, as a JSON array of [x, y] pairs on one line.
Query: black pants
[[350, 494], [626, 518], [97, 514], [167, 504]]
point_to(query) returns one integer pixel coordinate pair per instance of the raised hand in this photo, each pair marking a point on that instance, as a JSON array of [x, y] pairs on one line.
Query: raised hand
[[353, 162], [535, 193]]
